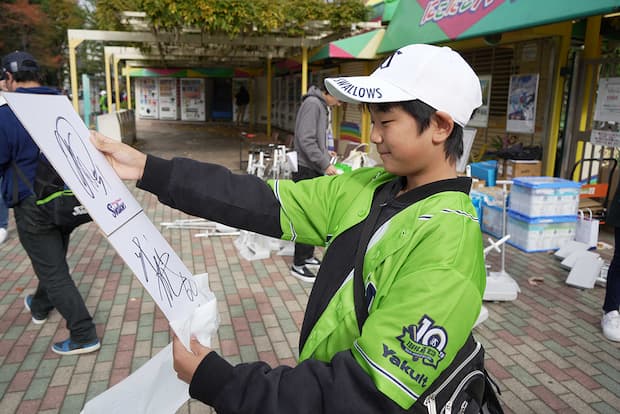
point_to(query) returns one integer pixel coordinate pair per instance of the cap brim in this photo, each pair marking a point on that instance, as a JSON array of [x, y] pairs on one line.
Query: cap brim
[[365, 89]]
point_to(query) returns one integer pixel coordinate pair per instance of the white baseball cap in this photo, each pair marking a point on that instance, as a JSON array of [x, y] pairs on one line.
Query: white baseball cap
[[437, 76]]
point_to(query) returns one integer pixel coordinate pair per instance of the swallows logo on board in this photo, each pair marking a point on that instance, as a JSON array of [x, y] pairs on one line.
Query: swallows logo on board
[[454, 17]]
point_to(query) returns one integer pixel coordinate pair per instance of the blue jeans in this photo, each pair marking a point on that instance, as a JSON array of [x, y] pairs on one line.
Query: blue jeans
[[46, 245]]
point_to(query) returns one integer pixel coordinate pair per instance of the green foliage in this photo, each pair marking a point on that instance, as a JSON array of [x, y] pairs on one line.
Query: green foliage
[[234, 17], [40, 27]]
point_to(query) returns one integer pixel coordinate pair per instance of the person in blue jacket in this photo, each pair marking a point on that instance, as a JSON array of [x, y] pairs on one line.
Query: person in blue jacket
[[4, 210], [45, 242], [4, 219]]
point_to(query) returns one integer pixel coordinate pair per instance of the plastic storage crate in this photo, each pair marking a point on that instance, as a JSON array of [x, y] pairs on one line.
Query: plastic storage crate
[[544, 196], [539, 234], [492, 217], [485, 170]]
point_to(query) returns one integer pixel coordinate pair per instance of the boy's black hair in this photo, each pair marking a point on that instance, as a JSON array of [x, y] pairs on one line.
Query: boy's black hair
[[423, 113]]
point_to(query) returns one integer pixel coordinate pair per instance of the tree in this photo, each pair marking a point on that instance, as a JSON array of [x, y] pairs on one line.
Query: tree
[[40, 27], [235, 17]]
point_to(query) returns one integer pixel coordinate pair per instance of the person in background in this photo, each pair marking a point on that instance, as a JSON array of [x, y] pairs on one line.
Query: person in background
[[103, 102], [388, 324], [242, 99], [4, 217], [311, 142], [610, 322], [4, 210], [45, 242]]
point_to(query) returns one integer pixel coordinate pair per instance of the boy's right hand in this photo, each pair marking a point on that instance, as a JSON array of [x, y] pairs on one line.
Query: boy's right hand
[[128, 162]]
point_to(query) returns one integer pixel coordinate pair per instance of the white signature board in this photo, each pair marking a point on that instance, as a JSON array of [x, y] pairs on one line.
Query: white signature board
[[64, 139]]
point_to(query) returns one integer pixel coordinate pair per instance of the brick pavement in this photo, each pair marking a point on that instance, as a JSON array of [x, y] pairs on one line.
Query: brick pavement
[[545, 349]]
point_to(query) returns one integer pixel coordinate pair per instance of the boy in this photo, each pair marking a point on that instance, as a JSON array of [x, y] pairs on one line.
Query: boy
[[390, 314]]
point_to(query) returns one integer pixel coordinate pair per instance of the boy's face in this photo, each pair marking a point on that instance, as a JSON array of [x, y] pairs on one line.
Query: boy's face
[[403, 150]]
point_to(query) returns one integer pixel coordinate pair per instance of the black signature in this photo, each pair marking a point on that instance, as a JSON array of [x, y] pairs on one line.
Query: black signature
[[79, 159], [171, 283]]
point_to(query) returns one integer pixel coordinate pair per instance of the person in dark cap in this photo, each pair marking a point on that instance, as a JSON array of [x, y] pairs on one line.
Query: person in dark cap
[[45, 242]]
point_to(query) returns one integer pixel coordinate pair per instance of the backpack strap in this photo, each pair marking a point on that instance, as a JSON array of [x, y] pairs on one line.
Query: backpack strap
[[19, 175], [359, 295], [489, 399], [52, 183]]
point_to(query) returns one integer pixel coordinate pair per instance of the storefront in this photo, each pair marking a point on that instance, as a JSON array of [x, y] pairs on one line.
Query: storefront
[[184, 94], [521, 52]]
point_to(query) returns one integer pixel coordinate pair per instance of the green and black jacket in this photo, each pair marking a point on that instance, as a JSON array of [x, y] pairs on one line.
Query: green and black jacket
[[423, 272]]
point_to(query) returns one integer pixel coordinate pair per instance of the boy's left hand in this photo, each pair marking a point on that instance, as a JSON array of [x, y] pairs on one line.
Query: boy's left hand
[[185, 362]]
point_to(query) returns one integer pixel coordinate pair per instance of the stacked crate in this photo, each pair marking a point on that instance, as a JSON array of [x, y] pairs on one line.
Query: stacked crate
[[542, 213]]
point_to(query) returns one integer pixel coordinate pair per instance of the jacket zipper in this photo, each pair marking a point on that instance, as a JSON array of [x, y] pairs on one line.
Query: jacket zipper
[[429, 401], [464, 381]]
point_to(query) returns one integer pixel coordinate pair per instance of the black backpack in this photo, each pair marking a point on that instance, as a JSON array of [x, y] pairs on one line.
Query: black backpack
[[53, 196]]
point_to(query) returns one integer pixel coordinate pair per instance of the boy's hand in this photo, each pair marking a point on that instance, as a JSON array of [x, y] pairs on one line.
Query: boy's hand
[[185, 362], [127, 162]]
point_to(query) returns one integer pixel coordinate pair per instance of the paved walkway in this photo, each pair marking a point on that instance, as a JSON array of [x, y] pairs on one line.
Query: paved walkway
[[545, 349]]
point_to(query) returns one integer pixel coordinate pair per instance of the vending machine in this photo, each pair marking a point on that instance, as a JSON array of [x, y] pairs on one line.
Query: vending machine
[[168, 101], [148, 98], [193, 100]]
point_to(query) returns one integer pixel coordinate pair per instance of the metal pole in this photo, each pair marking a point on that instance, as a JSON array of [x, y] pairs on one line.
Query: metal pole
[[73, 43], [128, 85], [117, 92], [304, 70], [108, 81], [568, 144], [269, 98]]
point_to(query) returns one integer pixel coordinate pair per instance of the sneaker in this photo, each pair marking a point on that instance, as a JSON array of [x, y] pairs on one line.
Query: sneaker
[[3, 234], [313, 261], [303, 273], [37, 318], [68, 347], [313, 264], [611, 326]]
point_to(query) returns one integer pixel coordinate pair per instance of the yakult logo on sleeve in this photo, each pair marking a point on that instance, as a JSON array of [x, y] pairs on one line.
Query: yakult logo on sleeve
[[425, 341], [367, 93]]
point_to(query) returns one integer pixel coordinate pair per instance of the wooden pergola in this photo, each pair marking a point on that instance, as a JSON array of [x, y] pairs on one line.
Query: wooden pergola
[[192, 49]]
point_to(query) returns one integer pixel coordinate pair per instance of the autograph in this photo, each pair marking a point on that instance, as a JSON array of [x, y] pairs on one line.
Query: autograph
[[171, 284], [79, 159]]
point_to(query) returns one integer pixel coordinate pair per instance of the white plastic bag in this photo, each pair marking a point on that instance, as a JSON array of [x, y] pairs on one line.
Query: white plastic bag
[[587, 229], [359, 158]]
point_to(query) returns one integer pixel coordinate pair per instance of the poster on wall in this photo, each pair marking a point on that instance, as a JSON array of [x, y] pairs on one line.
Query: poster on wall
[[168, 98], [148, 98], [192, 99], [480, 117], [606, 122], [522, 94]]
